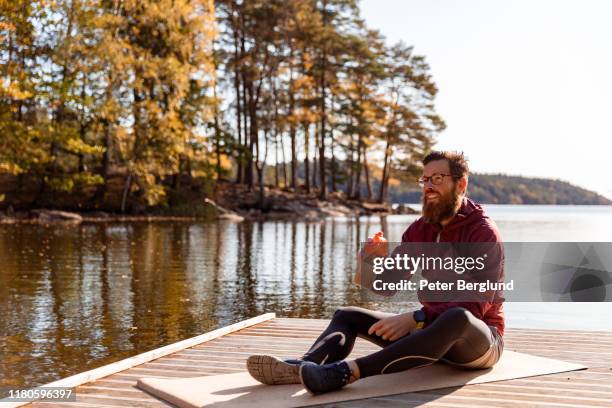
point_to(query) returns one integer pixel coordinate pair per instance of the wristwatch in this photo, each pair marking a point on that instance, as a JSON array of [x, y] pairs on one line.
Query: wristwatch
[[419, 318]]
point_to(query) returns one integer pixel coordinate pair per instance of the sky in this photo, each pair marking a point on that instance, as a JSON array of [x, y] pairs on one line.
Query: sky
[[525, 87]]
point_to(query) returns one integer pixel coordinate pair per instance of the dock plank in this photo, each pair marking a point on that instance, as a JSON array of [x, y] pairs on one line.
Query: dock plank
[[288, 337]]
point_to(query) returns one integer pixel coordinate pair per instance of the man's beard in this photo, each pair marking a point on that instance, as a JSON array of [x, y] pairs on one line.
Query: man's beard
[[446, 207]]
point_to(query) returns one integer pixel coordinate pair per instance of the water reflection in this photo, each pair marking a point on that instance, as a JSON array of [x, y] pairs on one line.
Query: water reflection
[[77, 297]]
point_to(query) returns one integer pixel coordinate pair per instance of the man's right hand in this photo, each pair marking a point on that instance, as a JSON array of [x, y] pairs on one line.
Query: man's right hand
[[394, 327]]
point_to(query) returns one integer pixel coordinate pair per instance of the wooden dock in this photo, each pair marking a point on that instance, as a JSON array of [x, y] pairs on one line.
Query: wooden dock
[[225, 351]]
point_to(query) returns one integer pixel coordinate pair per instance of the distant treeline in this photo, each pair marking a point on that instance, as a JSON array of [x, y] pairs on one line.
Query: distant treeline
[[504, 189]]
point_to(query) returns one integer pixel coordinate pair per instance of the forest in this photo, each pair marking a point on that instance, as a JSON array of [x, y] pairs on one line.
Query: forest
[[129, 104], [508, 189]]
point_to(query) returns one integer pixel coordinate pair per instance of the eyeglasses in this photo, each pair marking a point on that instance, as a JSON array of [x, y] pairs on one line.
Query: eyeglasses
[[436, 179]]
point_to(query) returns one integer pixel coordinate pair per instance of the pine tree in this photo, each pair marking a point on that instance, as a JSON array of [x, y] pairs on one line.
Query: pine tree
[[410, 123]]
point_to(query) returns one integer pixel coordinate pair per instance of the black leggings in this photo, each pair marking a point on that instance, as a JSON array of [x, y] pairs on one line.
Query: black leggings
[[455, 337]]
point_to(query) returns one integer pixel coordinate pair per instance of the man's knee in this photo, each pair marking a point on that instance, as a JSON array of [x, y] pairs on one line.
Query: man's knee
[[343, 312], [346, 313], [458, 318]]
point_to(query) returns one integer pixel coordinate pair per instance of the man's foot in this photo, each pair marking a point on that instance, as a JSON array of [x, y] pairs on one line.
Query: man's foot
[[323, 378], [274, 371]]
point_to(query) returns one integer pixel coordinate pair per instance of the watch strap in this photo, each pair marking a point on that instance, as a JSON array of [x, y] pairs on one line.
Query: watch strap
[[419, 318]]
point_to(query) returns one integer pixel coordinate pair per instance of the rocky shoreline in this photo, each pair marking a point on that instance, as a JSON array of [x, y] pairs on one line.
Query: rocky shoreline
[[230, 205], [283, 204]]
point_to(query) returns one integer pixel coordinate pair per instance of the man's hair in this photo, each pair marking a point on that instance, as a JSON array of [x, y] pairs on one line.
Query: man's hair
[[456, 161]]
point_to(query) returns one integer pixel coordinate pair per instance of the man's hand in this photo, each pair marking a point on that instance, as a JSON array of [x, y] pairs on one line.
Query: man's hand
[[357, 277], [394, 327]]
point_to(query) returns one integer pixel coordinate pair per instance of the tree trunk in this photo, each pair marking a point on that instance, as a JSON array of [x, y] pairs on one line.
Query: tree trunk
[[357, 189], [292, 130], [276, 175], [217, 135], [246, 103], [126, 192], [332, 174], [293, 158], [100, 193], [306, 158], [351, 166], [284, 161], [314, 159], [245, 132], [176, 180], [260, 165], [367, 173], [262, 191], [239, 113], [322, 169], [82, 126], [252, 136], [384, 180], [323, 113], [276, 132], [98, 197]]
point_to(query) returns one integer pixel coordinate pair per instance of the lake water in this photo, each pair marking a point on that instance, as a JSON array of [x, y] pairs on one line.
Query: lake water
[[74, 298]]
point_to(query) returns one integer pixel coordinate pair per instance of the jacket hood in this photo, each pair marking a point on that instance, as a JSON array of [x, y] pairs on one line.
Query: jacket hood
[[468, 213]]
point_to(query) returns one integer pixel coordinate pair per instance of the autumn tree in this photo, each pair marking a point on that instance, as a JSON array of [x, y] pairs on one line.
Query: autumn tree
[[136, 101], [410, 122]]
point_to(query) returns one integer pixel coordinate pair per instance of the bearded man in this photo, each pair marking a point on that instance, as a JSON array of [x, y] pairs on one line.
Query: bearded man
[[465, 334]]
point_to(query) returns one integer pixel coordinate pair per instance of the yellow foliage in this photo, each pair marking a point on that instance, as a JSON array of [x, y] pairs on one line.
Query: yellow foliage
[[13, 91], [79, 146], [10, 168], [393, 182], [226, 162]]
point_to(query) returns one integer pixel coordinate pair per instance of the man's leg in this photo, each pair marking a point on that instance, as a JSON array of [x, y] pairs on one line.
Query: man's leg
[[456, 335], [337, 340], [334, 344]]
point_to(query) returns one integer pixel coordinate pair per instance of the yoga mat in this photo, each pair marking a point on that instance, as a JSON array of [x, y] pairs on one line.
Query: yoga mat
[[241, 390]]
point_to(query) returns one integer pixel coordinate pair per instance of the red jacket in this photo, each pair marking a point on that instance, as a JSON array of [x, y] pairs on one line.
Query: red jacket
[[471, 224]]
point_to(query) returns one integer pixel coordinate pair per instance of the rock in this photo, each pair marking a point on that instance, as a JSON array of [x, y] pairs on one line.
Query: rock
[[7, 219], [223, 213], [336, 195], [312, 215], [404, 209], [43, 215], [98, 214], [312, 203], [376, 207], [138, 208], [335, 210], [332, 212], [22, 215], [230, 217]]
